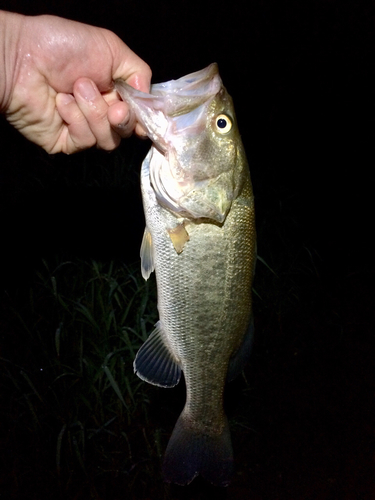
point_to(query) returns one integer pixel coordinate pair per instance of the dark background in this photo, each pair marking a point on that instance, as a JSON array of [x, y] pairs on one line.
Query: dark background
[[302, 76]]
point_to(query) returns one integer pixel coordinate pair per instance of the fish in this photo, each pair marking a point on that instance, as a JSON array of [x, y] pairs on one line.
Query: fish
[[200, 239]]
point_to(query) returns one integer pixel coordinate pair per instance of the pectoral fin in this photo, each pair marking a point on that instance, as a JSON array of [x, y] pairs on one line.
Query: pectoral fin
[[179, 236], [146, 253], [155, 362]]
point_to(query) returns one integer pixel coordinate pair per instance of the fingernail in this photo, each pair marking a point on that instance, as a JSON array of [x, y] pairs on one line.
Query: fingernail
[[87, 90], [124, 122]]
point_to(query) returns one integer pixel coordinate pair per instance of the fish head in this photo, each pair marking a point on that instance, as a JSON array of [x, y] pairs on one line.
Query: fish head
[[196, 163]]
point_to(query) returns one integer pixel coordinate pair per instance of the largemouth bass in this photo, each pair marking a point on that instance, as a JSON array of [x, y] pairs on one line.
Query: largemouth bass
[[200, 240]]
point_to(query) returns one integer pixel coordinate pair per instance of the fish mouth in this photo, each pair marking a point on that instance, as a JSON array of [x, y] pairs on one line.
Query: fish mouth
[[174, 99], [190, 91]]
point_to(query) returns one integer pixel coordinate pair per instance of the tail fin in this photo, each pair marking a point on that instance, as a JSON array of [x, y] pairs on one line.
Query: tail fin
[[190, 453]]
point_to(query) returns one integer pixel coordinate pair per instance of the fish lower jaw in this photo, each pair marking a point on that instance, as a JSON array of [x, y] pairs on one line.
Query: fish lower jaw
[[204, 210]]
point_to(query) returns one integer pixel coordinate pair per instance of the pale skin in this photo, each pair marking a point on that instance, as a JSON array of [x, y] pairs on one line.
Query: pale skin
[[56, 82]]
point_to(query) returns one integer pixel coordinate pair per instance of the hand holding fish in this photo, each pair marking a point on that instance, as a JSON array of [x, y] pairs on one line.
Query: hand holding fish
[[56, 83]]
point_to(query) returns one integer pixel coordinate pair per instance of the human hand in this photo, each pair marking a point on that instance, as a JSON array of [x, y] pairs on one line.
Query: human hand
[[59, 93]]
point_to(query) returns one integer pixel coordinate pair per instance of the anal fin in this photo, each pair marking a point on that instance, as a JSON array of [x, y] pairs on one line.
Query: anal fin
[[155, 362]]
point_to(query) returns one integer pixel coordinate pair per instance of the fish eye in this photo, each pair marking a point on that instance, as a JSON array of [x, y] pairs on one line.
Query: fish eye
[[223, 124]]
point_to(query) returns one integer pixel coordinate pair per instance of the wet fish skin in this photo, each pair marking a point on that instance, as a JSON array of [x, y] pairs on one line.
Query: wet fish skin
[[200, 239]]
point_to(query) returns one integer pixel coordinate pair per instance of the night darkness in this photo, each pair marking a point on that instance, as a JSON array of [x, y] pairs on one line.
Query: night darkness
[[301, 75]]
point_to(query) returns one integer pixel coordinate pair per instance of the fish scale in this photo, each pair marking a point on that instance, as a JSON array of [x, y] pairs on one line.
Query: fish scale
[[200, 240]]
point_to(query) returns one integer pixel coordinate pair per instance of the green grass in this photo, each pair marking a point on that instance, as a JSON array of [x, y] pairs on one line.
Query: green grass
[[71, 402]]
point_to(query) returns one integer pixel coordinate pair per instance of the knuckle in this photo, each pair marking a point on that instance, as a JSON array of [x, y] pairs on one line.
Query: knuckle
[[147, 71]]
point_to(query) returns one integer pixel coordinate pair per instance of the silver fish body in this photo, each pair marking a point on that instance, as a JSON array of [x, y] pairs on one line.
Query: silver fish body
[[200, 240]]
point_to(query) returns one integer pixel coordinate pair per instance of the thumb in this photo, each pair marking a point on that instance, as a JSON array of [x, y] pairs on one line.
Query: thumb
[[130, 67]]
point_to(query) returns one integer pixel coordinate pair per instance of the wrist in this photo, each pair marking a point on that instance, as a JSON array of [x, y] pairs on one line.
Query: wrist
[[10, 30]]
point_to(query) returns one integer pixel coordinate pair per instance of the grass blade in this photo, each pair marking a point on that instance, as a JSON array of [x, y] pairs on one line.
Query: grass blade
[[114, 385]]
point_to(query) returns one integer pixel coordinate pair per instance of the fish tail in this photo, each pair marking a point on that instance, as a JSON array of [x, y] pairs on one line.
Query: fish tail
[[190, 452]]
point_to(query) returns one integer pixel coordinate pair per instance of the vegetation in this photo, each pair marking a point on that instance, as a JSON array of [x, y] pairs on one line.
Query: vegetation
[[72, 394]]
